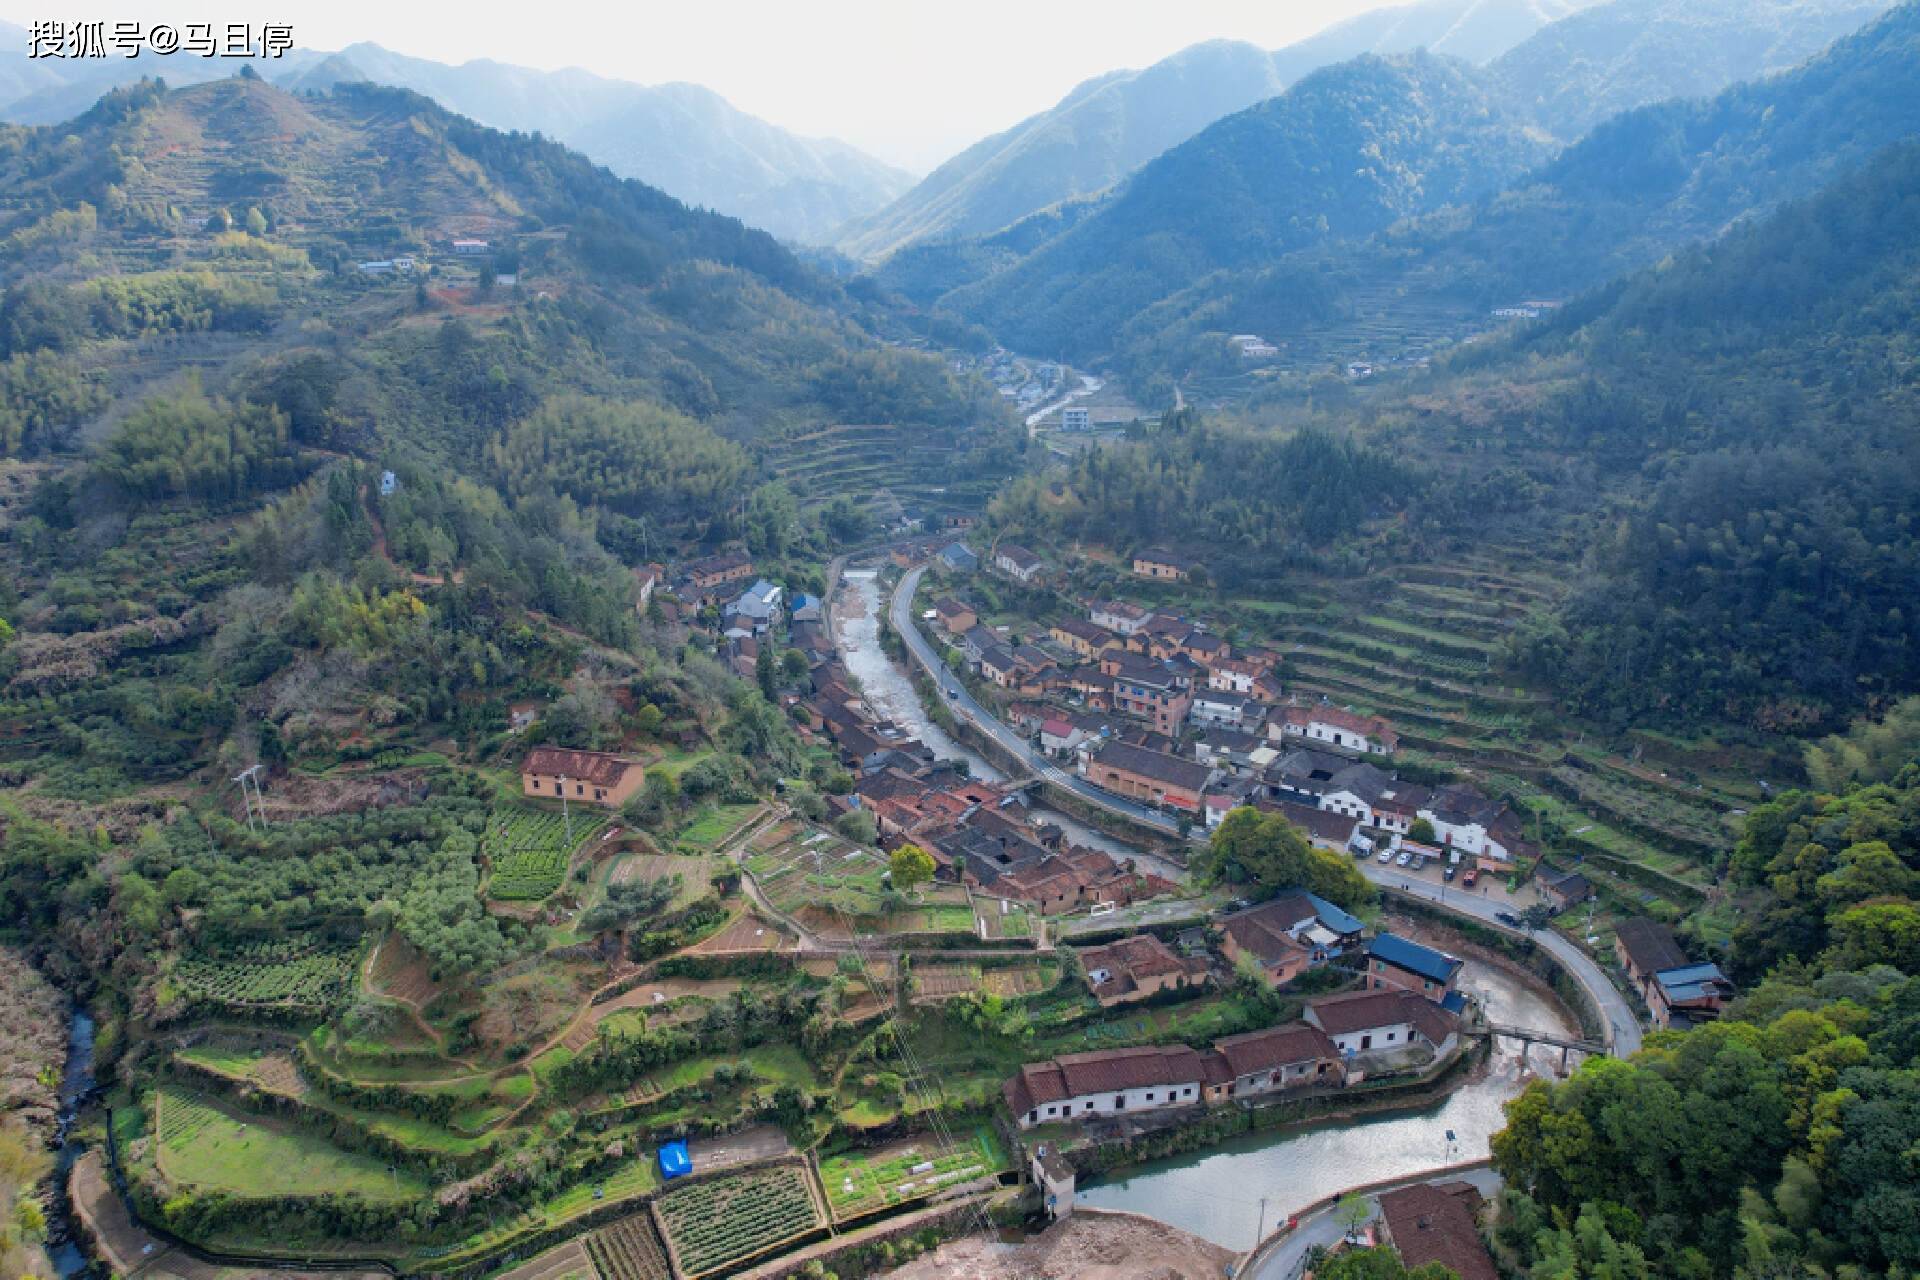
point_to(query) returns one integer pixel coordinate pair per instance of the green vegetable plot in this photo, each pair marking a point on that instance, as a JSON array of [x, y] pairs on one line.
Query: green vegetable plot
[[727, 1220]]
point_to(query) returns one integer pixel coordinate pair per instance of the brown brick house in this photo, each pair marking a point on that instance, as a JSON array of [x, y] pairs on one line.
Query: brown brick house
[[1135, 968], [588, 777], [1150, 776]]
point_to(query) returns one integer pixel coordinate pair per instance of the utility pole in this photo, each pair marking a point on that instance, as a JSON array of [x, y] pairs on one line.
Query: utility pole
[[1260, 1232], [566, 814], [252, 774]]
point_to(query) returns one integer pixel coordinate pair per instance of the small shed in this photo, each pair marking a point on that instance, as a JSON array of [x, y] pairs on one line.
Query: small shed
[[674, 1161]]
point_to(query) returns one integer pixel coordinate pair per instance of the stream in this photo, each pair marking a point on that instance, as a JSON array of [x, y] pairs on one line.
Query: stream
[[76, 1091], [1217, 1193]]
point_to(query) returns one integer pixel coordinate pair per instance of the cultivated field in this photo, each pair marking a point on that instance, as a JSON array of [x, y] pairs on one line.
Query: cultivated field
[[724, 1221], [860, 1182]]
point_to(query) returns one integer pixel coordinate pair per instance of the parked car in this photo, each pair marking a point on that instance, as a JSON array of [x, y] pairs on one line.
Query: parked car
[[1473, 873], [1406, 856], [1419, 861], [1507, 918], [1448, 874], [1386, 856]]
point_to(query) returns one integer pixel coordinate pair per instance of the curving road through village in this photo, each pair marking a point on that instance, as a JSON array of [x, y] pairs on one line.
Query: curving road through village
[[1622, 1024]]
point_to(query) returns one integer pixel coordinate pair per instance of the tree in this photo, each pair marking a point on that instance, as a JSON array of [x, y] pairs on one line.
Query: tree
[[858, 826], [911, 866], [1422, 831], [256, 221], [764, 674], [1351, 1213], [1538, 916], [1269, 853]]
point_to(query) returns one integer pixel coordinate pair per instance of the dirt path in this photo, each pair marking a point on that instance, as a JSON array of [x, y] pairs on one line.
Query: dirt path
[[1090, 1245]]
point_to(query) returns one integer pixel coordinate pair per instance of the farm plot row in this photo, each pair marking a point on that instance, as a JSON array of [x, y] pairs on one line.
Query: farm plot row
[[529, 849], [860, 1182], [716, 1223], [315, 978], [629, 1249]]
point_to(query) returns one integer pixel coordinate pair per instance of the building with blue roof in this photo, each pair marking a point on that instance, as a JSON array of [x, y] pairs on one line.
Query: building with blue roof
[[1687, 994], [675, 1162], [958, 557], [1396, 962]]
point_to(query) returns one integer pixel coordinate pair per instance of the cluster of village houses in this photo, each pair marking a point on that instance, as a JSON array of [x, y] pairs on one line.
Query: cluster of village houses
[[1407, 1013], [1161, 710]]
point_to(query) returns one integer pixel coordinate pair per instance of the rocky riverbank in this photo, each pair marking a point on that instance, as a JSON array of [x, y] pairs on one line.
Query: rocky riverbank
[[1090, 1245], [33, 1045]]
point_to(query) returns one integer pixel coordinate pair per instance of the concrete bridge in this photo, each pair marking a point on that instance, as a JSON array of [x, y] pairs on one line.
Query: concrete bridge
[[1567, 1045]]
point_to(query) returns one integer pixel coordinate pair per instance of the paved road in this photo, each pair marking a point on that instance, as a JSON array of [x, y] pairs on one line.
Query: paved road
[[1284, 1260], [966, 708], [1623, 1028]]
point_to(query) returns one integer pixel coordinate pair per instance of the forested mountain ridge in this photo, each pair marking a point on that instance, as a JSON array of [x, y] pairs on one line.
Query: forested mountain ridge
[[681, 138], [1110, 125], [1172, 317], [1572, 74], [1256, 185]]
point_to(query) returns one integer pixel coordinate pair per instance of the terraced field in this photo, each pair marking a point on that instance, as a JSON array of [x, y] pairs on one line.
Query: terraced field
[[1425, 655], [860, 1182], [630, 1249], [267, 975], [912, 464], [529, 850], [721, 1222], [202, 1144]]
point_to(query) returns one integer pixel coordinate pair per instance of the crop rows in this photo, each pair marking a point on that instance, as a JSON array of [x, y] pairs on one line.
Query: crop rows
[[713, 1224], [316, 977], [530, 851], [182, 1119], [629, 1250]]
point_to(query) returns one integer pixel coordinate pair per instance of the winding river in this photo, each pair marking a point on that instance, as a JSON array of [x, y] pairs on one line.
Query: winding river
[[76, 1090], [1217, 1193]]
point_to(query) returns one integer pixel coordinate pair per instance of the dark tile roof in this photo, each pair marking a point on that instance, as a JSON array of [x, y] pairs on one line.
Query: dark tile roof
[[1650, 946], [1435, 1222], [1365, 1010], [600, 768], [1158, 766], [1275, 1047]]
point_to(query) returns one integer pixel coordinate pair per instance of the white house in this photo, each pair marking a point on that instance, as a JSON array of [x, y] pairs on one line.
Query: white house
[[1105, 1082], [1229, 710], [1119, 617], [1363, 1022], [1334, 727], [1075, 418], [1017, 562]]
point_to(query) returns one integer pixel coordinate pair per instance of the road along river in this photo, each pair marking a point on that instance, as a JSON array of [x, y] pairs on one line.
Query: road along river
[[885, 686]]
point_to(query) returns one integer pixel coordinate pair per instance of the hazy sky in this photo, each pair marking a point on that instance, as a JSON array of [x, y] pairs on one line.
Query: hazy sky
[[908, 80]]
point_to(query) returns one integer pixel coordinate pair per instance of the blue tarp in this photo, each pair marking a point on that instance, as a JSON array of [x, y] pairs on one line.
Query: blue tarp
[[674, 1160]]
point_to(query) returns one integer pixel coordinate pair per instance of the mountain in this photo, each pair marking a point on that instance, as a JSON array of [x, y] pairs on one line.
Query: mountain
[[1111, 125], [684, 139], [1574, 73], [1636, 187], [1343, 153]]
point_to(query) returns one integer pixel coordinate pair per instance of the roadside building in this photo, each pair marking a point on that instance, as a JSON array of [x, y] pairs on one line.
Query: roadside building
[[1645, 947], [1565, 889], [1288, 935], [1104, 1083], [958, 557], [1688, 995], [1151, 777], [593, 777], [1294, 1055], [955, 618], [1437, 1222], [1081, 638], [1395, 962]]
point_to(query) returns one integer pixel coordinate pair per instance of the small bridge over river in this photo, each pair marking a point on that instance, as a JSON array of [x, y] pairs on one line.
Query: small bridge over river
[[1567, 1045]]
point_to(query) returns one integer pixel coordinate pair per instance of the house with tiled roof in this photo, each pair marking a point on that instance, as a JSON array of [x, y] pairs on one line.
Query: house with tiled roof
[[1162, 565], [1288, 935], [1118, 616], [1294, 1055], [1105, 1082], [1335, 727], [1438, 1222], [1080, 637], [592, 777], [1688, 995], [1152, 777], [1017, 562], [1384, 1021], [1644, 947], [1137, 967]]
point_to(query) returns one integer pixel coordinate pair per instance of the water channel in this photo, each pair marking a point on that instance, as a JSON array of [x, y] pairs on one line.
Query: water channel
[[76, 1090], [1217, 1193]]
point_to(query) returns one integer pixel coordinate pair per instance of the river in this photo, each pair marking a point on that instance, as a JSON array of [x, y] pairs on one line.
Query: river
[[1216, 1193], [857, 614], [76, 1090]]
